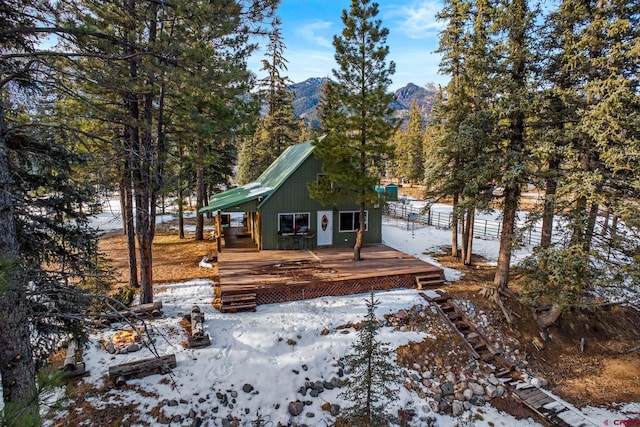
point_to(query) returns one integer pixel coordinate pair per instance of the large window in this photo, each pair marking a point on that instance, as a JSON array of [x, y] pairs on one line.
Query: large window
[[293, 222], [349, 221]]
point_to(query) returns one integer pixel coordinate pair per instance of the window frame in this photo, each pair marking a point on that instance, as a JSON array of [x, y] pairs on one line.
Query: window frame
[[293, 214], [353, 221]]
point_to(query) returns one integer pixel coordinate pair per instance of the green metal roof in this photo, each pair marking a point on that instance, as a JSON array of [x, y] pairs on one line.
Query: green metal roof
[[266, 184]]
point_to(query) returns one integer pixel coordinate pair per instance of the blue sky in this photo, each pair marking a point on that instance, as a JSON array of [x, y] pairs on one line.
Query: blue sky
[[308, 27]]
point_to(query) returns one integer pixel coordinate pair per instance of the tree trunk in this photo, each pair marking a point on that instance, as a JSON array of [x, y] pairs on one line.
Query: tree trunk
[[132, 147], [200, 190], [357, 248], [454, 227], [464, 234], [180, 211], [468, 244], [17, 366], [127, 213], [591, 225], [511, 199], [549, 203], [123, 204], [145, 204]]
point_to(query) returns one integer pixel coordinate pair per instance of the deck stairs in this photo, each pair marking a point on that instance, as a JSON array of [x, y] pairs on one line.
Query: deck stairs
[[433, 279], [238, 302], [551, 410]]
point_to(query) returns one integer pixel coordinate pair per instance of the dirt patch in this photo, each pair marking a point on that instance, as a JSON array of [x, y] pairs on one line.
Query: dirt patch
[[174, 259]]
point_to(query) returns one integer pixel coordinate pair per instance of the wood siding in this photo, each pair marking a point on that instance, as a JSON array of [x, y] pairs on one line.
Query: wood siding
[[293, 197]]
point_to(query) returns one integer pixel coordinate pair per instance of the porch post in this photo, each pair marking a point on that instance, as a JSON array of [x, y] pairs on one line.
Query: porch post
[[259, 227], [219, 231]]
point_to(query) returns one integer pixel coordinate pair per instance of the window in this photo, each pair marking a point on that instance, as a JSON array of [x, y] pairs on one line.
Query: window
[[293, 222], [349, 221]]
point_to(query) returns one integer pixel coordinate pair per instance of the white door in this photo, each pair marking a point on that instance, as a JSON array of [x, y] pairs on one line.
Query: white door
[[325, 228]]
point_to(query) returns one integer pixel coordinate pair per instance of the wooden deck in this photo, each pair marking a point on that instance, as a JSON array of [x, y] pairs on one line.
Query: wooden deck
[[287, 275]]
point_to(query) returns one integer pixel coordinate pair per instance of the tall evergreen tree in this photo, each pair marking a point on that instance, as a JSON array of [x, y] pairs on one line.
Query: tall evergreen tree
[[356, 114], [280, 127], [409, 151], [512, 97], [592, 84], [157, 55], [47, 249], [458, 166]]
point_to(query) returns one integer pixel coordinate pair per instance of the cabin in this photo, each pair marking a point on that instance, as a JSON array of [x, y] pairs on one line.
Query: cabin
[[280, 214]]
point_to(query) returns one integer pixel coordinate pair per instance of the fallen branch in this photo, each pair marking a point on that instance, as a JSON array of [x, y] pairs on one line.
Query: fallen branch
[[151, 309]]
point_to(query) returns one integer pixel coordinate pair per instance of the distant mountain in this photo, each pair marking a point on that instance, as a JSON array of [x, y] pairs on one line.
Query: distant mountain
[[307, 95], [424, 96]]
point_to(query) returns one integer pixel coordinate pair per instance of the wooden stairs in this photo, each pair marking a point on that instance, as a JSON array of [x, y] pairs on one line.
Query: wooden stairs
[[552, 410], [238, 302], [479, 345], [434, 279]]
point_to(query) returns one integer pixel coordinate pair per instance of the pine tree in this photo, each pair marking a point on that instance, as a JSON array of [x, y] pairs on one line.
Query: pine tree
[[374, 375], [48, 250], [178, 69], [17, 366], [458, 166], [279, 128], [356, 114], [512, 98], [409, 151], [591, 134]]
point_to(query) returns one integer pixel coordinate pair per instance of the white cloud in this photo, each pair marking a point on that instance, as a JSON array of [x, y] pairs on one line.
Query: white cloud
[[317, 33], [417, 20]]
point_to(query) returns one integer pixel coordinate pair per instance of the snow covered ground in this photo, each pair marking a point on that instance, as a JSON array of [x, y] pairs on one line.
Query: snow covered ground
[[258, 361]]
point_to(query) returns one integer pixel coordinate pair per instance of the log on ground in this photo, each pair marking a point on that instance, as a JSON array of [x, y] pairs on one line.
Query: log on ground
[[198, 337], [141, 368]]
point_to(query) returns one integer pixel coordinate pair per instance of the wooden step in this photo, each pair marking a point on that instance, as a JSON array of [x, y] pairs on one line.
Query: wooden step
[[486, 357], [238, 307], [430, 280], [447, 308], [441, 299], [505, 373], [454, 316], [472, 338], [237, 298], [480, 347]]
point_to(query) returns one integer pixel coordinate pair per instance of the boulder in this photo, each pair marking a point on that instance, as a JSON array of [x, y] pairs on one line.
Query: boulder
[[476, 388], [477, 400], [447, 388], [491, 390], [457, 408], [296, 408]]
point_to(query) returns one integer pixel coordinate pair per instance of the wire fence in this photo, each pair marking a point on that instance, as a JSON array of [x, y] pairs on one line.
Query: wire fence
[[432, 217]]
